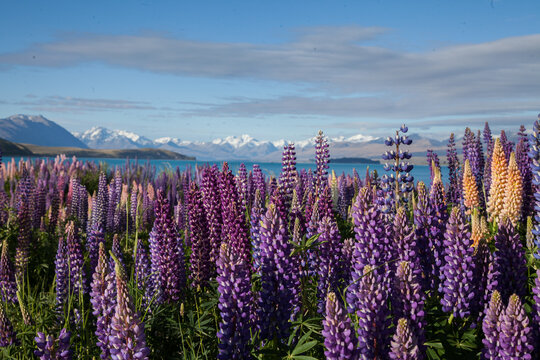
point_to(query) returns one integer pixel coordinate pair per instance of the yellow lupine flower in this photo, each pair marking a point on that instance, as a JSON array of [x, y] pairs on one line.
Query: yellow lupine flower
[[513, 194], [471, 198], [497, 191]]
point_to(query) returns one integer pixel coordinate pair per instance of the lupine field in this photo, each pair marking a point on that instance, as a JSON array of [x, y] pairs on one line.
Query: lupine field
[[201, 263]]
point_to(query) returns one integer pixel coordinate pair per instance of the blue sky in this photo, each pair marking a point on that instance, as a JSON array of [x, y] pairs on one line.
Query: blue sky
[[199, 70]]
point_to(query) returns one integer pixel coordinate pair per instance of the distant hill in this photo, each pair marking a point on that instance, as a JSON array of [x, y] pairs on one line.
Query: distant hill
[[146, 153], [354, 160], [9, 148], [37, 130]]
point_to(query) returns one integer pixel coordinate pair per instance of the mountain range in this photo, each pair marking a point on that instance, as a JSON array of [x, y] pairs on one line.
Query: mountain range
[[40, 131]]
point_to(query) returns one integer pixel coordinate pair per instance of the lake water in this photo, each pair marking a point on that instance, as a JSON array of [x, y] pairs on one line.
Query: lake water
[[420, 172]]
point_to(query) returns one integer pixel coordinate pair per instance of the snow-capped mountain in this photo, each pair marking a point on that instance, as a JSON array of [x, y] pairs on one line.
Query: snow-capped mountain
[[37, 130], [101, 138]]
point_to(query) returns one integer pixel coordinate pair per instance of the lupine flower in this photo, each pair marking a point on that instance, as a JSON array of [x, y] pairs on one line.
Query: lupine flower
[[127, 339], [143, 273], [322, 158], [404, 345], [515, 334], [257, 214], [279, 278], [288, 174], [497, 190], [534, 154], [405, 245], [103, 299], [22, 254], [471, 198], [167, 254], [7, 334], [235, 304], [490, 326], [95, 237], [372, 311], [99, 210], [8, 287], [49, 348], [62, 272], [242, 187], [428, 240], [201, 267], [458, 290], [408, 300], [509, 254], [212, 206], [328, 254], [454, 188], [432, 159], [258, 181], [513, 198], [524, 165], [75, 259], [338, 332], [536, 311], [507, 145]]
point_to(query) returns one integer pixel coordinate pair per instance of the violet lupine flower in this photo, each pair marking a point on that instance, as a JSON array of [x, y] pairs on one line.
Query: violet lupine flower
[[54, 200], [454, 187], [488, 140], [322, 158], [507, 145], [127, 339], [94, 238], [372, 310], [7, 334], [202, 268], [235, 304], [22, 254], [167, 254], [338, 332], [75, 259], [404, 345], [404, 242], [459, 294], [534, 154], [8, 286], [49, 348], [258, 181], [40, 193], [4, 202], [408, 300], [288, 176], [99, 209], [143, 274], [328, 259], [508, 269], [515, 334], [279, 278], [257, 214], [103, 299], [425, 223], [490, 327], [439, 216], [212, 206], [62, 272], [524, 165], [536, 310], [242, 186]]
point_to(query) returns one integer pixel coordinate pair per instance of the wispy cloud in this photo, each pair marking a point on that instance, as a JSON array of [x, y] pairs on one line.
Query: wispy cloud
[[77, 104], [493, 78]]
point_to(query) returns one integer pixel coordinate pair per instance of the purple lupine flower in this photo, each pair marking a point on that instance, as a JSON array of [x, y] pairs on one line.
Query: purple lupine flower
[[536, 311], [288, 176], [454, 188], [127, 339], [515, 334], [201, 266], [75, 259], [524, 165], [508, 269], [404, 345], [258, 181], [212, 206], [22, 254], [488, 140], [338, 332], [8, 286], [167, 254], [4, 203], [408, 300], [322, 158], [370, 301], [257, 214], [54, 200], [99, 209], [373, 239], [346, 194], [328, 259], [7, 334], [490, 327], [439, 219], [242, 187], [534, 155], [49, 348], [404, 244], [62, 272], [40, 193], [103, 299], [143, 274], [426, 223], [459, 294], [507, 145], [279, 278], [235, 304], [94, 238]]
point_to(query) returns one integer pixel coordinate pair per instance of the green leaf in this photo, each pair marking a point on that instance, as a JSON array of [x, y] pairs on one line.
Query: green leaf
[[303, 348], [304, 357]]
